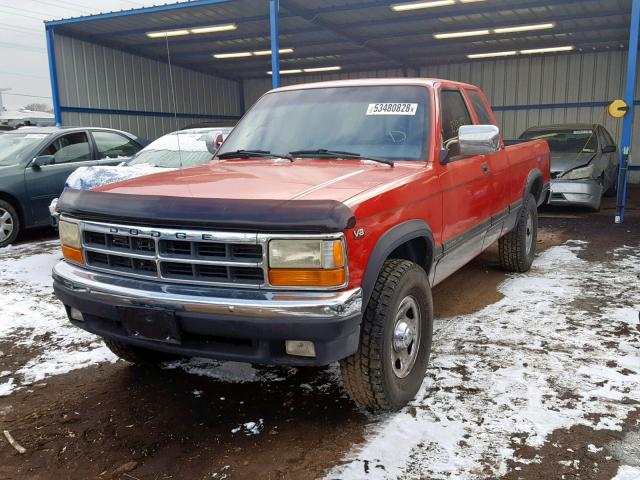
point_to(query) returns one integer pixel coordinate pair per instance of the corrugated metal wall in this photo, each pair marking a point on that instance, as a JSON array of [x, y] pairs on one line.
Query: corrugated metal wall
[[94, 77], [516, 86], [519, 87]]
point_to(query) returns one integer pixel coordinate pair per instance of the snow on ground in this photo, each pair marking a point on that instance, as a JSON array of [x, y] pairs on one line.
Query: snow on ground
[[34, 321], [561, 348], [626, 472]]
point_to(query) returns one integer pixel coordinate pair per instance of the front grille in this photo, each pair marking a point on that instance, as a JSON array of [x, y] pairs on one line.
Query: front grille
[[122, 264], [176, 256]]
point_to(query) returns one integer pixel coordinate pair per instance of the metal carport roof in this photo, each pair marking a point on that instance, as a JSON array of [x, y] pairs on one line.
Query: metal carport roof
[[356, 35]]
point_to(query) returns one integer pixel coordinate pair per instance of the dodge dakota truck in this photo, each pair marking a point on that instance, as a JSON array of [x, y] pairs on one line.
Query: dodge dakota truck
[[314, 235]]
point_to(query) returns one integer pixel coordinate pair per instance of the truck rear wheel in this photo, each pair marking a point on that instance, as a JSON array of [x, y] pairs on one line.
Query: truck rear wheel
[[518, 247], [138, 355], [395, 341]]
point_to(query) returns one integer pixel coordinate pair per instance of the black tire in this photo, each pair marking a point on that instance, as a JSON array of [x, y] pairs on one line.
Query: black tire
[[138, 355], [9, 223], [518, 247], [369, 375]]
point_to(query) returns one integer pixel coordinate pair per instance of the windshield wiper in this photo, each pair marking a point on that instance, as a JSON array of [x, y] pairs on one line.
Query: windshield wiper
[[254, 153], [323, 152]]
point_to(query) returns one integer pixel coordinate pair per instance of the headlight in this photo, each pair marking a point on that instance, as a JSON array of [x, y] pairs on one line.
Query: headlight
[[307, 262], [70, 241], [579, 173]]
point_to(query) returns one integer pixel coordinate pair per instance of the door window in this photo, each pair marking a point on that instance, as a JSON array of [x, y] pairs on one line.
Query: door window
[[73, 147], [114, 145], [454, 115], [479, 106]]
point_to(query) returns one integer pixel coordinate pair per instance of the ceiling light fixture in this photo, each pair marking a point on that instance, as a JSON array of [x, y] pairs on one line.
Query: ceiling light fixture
[[473, 33], [404, 7], [567, 48], [215, 28], [285, 72], [232, 55], [321, 69], [492, 54], [308, 70], [167, 33], [268, 52], [256, 53], [547, 50], [470, 33], [186, 31], [524, 28]]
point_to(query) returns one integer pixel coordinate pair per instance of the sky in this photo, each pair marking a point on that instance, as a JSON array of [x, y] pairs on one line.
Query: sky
[[24, 65]]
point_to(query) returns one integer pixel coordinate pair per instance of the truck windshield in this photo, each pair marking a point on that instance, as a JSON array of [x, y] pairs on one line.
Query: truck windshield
[[14, 145], [389, 122], [568, 141]]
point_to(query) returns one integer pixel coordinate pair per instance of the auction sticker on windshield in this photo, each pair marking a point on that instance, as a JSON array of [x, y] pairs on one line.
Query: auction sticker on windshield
[[392, 109]]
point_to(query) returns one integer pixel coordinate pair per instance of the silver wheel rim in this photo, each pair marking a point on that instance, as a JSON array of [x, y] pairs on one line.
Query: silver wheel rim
[[529, 233], [6, 224], [405, 342]]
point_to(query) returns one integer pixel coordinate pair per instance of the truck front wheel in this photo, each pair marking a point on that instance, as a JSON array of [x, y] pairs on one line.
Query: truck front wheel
[[518, 247], [138, 355], [395, 341]]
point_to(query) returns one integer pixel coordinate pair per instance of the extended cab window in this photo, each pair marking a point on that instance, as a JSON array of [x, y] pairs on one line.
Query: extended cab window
[[479, 106], [73, 147], [379, 121], [113, 145], [454, 115]]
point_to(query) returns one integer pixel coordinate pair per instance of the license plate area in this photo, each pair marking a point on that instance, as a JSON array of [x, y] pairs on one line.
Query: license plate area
[[150, 324]]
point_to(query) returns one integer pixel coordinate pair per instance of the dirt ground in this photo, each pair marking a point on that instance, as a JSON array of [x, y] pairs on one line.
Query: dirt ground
[[115, 421]]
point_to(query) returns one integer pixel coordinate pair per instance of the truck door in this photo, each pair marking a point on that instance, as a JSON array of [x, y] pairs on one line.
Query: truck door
[[45, 183], [498, 167], [466, 190]]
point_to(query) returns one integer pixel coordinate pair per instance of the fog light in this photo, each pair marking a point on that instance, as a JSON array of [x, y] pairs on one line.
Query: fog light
[[76, 314], [300, 348]]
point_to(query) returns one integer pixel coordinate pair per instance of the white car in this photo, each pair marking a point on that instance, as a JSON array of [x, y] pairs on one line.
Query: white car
[[180, 149]]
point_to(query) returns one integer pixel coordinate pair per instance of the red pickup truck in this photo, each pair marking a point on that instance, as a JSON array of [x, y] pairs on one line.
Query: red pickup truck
[[314, 235]]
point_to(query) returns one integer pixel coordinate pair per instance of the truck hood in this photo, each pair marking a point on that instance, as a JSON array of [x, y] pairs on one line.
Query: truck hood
[[564, 161], [268, 179]]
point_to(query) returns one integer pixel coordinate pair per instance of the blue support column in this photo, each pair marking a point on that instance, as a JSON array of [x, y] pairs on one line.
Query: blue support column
[[53, 75], [274, 7], [627, 121]]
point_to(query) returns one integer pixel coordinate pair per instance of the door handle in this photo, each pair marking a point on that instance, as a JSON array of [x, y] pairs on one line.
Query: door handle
[[485, 168]]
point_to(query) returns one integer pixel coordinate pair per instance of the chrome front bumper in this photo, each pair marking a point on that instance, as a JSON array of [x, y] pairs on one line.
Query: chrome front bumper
[[243, 303], [222, 323], [585, 193]]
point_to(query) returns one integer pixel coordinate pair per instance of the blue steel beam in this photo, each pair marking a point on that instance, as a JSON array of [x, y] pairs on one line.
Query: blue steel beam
[[53, 75], [274, 7], [627, 121]]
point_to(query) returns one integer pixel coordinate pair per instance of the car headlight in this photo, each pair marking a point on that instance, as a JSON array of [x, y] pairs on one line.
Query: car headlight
[[70, 241], [579, 173], [307, 263]]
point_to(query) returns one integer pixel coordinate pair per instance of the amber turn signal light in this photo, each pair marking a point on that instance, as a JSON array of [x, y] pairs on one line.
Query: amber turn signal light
[[307, 278], [73, 254]]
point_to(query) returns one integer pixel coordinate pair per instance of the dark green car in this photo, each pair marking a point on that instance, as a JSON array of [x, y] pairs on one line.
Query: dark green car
[[36, 161]]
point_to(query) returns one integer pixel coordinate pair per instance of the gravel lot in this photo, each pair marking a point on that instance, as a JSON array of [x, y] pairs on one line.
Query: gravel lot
[[533, 376]]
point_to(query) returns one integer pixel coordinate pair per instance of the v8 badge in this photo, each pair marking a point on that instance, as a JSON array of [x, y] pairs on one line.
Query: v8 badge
[[359, 233]]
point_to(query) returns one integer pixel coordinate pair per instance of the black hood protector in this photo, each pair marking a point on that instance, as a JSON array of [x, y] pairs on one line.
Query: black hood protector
[[298, 216]]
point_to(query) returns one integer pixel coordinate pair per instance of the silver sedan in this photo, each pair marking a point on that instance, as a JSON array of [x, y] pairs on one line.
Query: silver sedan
[[584, 163]]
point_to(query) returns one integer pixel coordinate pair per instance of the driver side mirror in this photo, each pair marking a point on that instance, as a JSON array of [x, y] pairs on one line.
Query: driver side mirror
[[609, 149], [478, 139], [43, 160]]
